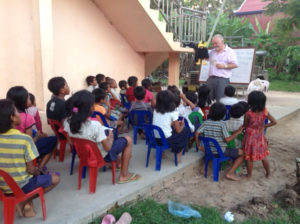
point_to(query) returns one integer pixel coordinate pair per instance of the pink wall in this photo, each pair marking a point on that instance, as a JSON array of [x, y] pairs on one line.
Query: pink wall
[[16, 44], [85, 43]]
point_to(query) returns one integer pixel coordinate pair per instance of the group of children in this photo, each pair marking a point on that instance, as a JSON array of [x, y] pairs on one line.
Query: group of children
[[20, 120]]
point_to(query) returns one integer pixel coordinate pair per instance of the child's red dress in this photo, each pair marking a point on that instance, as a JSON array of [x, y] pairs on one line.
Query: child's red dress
[[254, 141]]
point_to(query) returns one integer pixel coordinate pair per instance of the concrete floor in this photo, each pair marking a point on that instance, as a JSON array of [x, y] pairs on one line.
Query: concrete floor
[[66, 204]]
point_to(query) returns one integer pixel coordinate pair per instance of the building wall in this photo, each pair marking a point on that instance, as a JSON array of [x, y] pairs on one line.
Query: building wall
[[16, 44], [86, 43]]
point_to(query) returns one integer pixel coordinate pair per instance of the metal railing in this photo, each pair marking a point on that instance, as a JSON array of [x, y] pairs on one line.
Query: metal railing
[[187, 25]]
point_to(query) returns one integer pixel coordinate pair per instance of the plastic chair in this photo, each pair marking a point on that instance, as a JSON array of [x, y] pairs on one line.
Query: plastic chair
[[62, 137], [227, 115], [125, 101], [191, 134], [91, 157], [104, 122], [10, 201], [216, 158], [151, 141], [138, 118]]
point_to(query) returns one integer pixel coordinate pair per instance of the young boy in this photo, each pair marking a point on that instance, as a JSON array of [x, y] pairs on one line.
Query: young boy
[[229, 98], [100, 78], [139, 104], [132, 82], [102, 105], [215, 128], [56, 105], [19, 163], [91, 83]]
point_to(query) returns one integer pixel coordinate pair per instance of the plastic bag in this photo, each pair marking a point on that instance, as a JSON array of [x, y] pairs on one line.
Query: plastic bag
[[182, 211], [228, 216]]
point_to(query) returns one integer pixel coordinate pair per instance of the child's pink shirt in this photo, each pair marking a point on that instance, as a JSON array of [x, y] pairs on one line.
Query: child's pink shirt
[[148, 96], [34, 112], [27, 121]]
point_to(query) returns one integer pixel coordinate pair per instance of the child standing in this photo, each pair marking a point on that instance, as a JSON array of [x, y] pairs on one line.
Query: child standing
[[166, 116], [254, 141], [78, 125], [132, 82], [204, 100], [91, 83], [19, 163]]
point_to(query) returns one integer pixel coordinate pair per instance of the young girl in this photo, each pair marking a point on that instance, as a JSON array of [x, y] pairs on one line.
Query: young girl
[[254, 141], [165, 116], [34, 112], [132, 82], [78, 125], [147, 84], [45, 145]]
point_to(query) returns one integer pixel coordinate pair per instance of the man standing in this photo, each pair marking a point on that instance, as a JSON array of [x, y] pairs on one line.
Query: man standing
[[222, 60]]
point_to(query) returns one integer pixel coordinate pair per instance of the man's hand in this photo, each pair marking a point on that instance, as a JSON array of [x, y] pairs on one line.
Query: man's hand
[[221, 66]]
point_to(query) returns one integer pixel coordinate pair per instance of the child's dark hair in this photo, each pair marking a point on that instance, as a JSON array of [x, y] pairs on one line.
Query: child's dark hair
[[165, 102], [99, 94], [203, 96], [217, 112], [122, 83], [107, 78], [81, 104], [19, 95], [229, 91], [257, 101], [146, 83], [7, 109], [100, 78], [237, 110], [132, 81], [191, 96], [103, 85], [32, 98], [139, 92], [245, 105], [176, 93], [89, 80], [55, 84]]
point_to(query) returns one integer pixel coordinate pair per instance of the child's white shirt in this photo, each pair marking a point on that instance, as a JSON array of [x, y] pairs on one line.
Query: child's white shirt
[[185, 111], [115, 92], [229, 100], [164, 121]]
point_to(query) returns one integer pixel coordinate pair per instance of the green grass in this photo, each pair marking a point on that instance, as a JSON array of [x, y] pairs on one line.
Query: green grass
[[287, 86], [150, 212]]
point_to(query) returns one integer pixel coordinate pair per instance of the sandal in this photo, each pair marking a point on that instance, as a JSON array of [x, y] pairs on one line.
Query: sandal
[[132, 178]]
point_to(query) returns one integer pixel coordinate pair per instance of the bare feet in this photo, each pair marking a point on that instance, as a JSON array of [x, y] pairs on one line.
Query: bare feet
[[268, 175], [232, 177], [164, 156], [28, 210]]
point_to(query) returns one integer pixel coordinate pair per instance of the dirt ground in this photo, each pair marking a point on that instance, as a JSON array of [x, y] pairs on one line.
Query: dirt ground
[[284, 146]]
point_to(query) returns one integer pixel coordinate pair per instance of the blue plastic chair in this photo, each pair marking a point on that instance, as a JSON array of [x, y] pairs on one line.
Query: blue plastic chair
[[227, 116], [191, 134], [216, 158], [102, 117], [151, 141], [138, 118], [124, 101]]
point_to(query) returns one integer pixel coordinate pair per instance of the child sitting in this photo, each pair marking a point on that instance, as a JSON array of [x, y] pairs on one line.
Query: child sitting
[[229, 98], [101, 99], [146, 83], [45, 144], [139, 104], [78, 125], [100, 78], [19, 163], [113, 88], [132, 82], [91, 83], [165, 116], [214, 127], [254, 142], [56, 105], [34, 112], [123, 86]]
